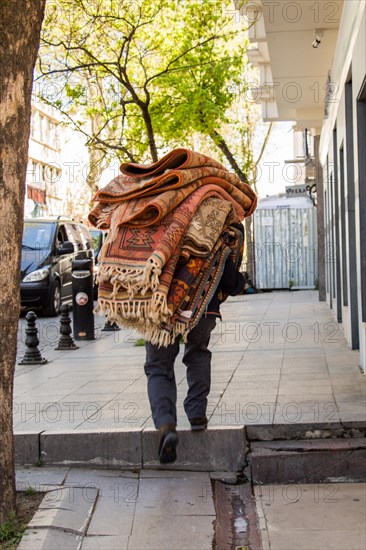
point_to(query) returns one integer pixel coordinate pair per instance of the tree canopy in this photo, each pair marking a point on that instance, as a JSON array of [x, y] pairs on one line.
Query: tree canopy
[[141, 77]]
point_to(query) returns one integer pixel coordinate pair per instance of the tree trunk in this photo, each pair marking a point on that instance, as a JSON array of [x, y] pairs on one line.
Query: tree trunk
[[20, 28], [248, 237], [94, 170], [150, 133], [249, 244], [95, 155], [222, 145]]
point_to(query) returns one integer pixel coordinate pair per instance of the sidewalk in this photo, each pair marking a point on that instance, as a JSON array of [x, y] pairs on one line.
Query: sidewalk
[[109, 510], [312, 517], [278, 358], [86, 509], [286, 394]]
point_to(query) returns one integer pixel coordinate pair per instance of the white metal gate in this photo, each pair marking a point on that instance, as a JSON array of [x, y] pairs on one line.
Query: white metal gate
[[286, 247]]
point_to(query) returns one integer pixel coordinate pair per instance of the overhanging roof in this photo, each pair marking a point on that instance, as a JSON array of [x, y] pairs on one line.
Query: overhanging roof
[[293, 73]]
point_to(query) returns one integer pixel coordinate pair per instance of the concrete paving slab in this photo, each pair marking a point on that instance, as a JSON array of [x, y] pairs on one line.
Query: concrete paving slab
[[104, 542], [119, 487], [40, 479], [68, 509], [245, 410], [49, 539], [121, 412], [317, 516], [317, 540], [168, 474], [309, 352], [357, 414], [109, 370], [117, 448], [175, 496], [214, 449], [320, 409], [26, 447], [305, 430], [308, 377], [124, 510], [312, 460], [115, 516], [178, 533]]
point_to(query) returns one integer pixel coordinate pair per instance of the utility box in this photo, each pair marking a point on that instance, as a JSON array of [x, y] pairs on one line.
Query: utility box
[[82, 299], [286, 244]]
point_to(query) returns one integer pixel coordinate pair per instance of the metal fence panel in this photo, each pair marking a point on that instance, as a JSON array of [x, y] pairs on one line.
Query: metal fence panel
[[286, 248]]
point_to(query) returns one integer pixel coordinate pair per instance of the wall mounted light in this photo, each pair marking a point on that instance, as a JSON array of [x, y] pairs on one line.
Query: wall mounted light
[[319, 33]]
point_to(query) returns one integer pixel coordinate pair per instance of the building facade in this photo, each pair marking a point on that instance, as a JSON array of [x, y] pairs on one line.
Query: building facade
[[312, 60], [45, 186], [58, 167]]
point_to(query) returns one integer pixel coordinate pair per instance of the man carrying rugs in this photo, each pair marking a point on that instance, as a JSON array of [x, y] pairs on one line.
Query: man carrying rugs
[[172, 255]]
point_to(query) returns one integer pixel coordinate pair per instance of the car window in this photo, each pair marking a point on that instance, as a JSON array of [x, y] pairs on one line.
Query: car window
[[37, 235], [61, 236], [74, 236], [97, 237], [86, 237]]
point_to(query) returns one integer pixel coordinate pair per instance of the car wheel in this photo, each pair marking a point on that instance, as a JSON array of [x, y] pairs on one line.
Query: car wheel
[[53, 309]]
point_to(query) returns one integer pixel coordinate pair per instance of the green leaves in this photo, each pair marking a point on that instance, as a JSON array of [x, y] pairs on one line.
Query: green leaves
[[75, 92], [148, 73]]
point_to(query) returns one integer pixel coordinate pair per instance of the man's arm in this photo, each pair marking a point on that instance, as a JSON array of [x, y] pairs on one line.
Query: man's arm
[[232, 281]]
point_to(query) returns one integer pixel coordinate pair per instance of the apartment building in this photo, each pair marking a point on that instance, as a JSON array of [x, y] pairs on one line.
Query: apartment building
[[312, 61]]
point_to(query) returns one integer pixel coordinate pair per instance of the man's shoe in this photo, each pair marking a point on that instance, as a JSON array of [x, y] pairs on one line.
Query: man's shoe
[[168, 443], [198, 423]]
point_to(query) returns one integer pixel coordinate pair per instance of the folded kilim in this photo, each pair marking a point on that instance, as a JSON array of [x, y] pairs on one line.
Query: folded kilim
[[170, 232]]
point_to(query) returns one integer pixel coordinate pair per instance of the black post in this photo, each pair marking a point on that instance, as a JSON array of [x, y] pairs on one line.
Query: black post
[[110, 327], [32, 355], [66, 341], [82, 299]]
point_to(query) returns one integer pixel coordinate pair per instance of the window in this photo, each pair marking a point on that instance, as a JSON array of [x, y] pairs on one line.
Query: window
[[350, 205], [37, 235], [343, 227], [361, 138], [74, 236], [86, 237], [61, 236]]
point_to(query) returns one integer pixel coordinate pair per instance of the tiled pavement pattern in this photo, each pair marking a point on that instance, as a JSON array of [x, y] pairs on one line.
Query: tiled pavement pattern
[[277, 358], [150, 510], [110, 510], [317, 517]]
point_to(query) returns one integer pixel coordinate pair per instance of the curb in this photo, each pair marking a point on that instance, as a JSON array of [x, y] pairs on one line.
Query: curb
[[215, 449], [308, 461], [336, 448]]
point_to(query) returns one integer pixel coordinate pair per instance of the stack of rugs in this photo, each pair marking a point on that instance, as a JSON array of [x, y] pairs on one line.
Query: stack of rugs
[[172, 225]]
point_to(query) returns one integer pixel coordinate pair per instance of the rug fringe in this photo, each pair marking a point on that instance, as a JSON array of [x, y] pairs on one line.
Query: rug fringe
[[133, 280], [137, 315]]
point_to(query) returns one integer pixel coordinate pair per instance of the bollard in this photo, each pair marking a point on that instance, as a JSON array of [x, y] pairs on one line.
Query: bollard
[[110, 327], [66, 341], [82, 299], [32, 355]]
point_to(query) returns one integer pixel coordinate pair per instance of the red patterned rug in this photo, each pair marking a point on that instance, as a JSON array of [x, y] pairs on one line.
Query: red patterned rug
[[169, 236]]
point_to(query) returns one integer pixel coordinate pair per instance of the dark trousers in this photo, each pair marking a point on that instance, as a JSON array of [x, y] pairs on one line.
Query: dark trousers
[[159, 369]]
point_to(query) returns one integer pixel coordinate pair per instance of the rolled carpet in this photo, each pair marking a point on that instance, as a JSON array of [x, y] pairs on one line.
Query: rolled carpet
[[170, 232]]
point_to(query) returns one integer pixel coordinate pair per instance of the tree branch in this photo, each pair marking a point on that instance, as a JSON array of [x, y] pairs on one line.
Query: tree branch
[[167, 69], [222, 145], [264, 144]]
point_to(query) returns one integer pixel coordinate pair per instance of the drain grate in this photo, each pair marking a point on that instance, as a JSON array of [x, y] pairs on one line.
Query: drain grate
[[236, 525]]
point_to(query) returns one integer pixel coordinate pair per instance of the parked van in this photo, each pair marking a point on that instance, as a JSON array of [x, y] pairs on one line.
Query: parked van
[[99, 238], [48, 248]]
